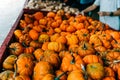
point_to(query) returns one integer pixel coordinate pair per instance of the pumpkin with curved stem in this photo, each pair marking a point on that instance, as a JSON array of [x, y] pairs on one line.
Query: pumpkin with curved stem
[[83, 34], [25, 40], [28, 18], [95, 70], [113, 59], [85, 49], [76, 75], [26, 30], [41, 69], [6, 75], [15, 48], [24, 64], [92, 59], [9, 62], [23, 24], [71, 62], [95, 41], [55, 46]]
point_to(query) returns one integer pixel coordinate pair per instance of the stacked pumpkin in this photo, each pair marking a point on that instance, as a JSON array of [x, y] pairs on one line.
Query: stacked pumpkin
[[61, 46]]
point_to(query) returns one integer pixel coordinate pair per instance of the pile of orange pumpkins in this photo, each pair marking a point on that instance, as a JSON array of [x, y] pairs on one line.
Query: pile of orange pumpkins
[[62, 46]]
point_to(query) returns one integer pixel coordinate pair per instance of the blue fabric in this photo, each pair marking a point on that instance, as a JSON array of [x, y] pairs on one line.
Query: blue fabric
[[86, 1]]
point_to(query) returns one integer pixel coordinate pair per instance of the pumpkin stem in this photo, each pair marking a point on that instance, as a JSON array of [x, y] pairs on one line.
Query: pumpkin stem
[[23, 43], [73, 58], [114, 39], [41, 58], [116, 61], [84, 47], [58, 78], [15, 73], [13, 49], [85, 73]]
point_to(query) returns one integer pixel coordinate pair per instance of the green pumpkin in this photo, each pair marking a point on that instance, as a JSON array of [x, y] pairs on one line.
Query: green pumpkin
[[95, 71]]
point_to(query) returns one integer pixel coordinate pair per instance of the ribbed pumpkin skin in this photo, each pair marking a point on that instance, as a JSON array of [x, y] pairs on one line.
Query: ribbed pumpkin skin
[[41, 69], [9, 62]]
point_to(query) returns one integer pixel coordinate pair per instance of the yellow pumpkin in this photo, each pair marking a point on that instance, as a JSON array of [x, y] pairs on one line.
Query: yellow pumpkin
[[55, 46], [9, 62]]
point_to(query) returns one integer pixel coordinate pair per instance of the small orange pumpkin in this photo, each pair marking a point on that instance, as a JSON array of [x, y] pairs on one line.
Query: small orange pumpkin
[[38, 53], [85, 49], [16, 48], [29, 50], [51, 57], [24, 64], [95, 70], [38, 15], [25, 39], [33, 34], [41, 69], [76, 75], [56, 46], [71, 39], [71, 62], [51, 14], [92, 59], [35, 44], [9, 62], [18, 33]]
